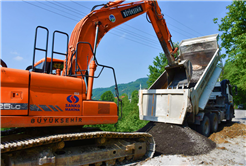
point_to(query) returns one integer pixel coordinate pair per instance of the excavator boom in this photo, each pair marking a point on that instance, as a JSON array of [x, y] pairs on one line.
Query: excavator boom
[[97, 23]]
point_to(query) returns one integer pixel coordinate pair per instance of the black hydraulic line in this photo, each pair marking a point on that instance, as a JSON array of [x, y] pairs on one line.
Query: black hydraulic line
[[94, 7], [3, 64], [95, 43]]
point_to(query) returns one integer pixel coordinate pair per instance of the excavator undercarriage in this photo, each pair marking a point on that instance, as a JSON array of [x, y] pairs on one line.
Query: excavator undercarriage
[[86, 147]]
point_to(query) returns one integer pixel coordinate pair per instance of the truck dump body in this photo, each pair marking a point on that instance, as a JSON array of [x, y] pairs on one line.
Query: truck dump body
[[171, 105]]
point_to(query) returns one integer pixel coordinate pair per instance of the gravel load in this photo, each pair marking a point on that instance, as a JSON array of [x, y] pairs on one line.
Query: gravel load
[[173, 139]]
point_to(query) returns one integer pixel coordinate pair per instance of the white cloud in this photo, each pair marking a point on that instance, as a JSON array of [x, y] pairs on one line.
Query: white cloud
[[17, 55], [123, 36], [14, 53], [18, 58]]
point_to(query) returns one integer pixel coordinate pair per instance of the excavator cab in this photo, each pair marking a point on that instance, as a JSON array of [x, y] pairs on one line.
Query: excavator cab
[[57, 66]]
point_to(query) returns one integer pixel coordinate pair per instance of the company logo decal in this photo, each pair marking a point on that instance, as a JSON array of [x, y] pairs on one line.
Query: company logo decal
[[112, 18], [72, 99], [131, 11]]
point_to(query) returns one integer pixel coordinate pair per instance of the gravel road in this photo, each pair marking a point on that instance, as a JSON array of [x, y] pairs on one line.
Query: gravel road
[[230, 151], [240, 116]]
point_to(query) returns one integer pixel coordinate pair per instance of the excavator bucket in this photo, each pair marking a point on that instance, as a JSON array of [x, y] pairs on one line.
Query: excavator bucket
[[179, 75]]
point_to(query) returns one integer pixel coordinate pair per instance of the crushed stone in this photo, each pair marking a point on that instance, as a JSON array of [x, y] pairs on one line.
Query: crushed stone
[[173, 139]]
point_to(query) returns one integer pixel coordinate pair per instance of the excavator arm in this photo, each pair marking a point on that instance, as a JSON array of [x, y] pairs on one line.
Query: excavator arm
[[90, 30]]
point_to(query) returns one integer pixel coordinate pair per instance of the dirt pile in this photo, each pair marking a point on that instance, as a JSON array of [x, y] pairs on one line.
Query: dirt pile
[[173, 139], [235, 130]]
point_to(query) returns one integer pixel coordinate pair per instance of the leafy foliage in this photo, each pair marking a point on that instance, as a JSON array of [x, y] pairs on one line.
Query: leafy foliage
[[234, 74], [233, 26], [130, 119], [107, 96], [158, 67], [123, 88]]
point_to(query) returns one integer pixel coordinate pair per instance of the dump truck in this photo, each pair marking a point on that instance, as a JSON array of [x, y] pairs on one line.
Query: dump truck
[[193, 102]]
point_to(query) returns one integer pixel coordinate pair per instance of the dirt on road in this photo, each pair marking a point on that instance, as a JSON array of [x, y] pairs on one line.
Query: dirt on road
[[230, 146], [233, 131]]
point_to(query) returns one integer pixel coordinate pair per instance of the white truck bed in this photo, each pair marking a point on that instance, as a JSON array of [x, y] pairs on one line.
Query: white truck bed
[[171, 105]]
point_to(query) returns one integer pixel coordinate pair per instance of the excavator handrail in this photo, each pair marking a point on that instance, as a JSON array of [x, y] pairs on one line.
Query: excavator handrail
[[54, 52], [103, 66], [40, 49]]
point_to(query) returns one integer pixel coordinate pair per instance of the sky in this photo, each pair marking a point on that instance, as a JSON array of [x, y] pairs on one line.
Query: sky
[[130, 48]]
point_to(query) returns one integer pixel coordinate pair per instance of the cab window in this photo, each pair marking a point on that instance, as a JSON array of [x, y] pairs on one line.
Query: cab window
[[55, 66], [230, 90], [217, 89], [40, 66]]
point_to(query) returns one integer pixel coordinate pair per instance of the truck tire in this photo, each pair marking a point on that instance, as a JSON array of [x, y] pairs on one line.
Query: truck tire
[[204, 127], [213, 118]]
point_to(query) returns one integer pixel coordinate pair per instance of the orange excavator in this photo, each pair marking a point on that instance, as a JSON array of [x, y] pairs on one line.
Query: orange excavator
[[46, 105]]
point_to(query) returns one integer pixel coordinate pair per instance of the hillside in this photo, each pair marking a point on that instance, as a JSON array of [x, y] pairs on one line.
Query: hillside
[[127, 88]]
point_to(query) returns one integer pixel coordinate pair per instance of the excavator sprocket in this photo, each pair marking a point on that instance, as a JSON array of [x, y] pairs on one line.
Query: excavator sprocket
[[82, 148]]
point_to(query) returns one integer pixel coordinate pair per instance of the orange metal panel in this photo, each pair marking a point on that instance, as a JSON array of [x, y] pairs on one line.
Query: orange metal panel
[[48, 60], [99, 108], [52, 95], [14, 91], [42, 121]]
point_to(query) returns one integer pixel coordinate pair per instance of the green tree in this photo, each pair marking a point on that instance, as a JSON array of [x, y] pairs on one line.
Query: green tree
[[233, 73], [233, 37], [134, 97], [130, 119], [158, 67], [107, 96], [233, 26]]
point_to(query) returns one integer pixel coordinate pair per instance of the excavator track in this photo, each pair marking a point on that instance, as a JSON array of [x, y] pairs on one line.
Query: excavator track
[[82, 148]]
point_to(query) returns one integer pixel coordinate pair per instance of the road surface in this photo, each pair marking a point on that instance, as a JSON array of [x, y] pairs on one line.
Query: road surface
[[230, 153], [240, 116]]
